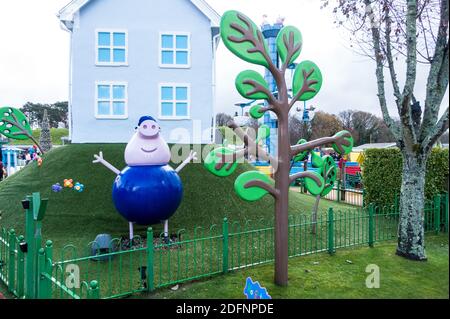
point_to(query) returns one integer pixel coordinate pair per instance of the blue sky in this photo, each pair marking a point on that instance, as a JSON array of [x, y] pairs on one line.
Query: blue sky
[[34, 59]]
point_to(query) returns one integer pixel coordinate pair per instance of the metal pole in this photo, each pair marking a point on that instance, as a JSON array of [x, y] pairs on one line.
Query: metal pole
[[150, 274]]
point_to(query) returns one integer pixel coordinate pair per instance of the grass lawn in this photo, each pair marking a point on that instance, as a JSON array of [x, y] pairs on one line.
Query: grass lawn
[[334, 277], [76, 218], [56, 134]]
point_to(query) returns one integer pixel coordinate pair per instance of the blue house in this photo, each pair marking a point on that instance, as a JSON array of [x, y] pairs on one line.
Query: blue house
[[140, 57]]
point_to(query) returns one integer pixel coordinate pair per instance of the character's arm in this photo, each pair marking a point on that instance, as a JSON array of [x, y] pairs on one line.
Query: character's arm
[[99, 159], [192, 156]]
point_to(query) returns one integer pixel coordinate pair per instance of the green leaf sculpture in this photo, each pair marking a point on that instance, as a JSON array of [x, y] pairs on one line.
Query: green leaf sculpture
[[303, 155], [242, 37], [344, 142], [315, 185], [255, 111], [307, 79], [328, 171], [246, 185], [316, 160], [14, 124], [251, 85], [215, 163], [289, 37]]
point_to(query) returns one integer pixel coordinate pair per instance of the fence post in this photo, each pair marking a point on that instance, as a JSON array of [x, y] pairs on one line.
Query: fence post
[[30, 255], [446, 211], [150, 261], [94, 291], [20, 267], [225, 245], [49, 265], [331, 249], [338, 190], [371, 230], [437, 213], [12, 261], [40, 270]]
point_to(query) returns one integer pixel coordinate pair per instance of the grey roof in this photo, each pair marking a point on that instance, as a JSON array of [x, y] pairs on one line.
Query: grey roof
[[374, 145]]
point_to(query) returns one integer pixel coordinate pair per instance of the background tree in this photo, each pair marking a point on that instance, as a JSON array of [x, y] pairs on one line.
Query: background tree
[[45, 139], [243, 38], [409, 32], [57, 112], [324, 124], [298, 129], [222, 119]]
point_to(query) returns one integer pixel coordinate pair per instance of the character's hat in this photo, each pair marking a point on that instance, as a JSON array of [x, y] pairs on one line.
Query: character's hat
[[145, 118]]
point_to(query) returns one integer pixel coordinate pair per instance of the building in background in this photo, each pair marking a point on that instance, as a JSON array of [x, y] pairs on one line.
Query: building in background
[[133, 58]]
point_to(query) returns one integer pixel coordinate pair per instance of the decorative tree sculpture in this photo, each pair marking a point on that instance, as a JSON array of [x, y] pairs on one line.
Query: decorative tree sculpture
[[45, 138], [14, 124], [242, 37]]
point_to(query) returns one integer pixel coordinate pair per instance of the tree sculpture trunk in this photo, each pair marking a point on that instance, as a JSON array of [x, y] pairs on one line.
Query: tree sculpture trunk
[[282, 182], [410, 229]]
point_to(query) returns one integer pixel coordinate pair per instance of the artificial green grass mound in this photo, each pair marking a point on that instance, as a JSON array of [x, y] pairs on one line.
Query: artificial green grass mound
[[76, 218]]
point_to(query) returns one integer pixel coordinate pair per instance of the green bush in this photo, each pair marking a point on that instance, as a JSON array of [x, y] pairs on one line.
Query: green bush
[[382, 174]]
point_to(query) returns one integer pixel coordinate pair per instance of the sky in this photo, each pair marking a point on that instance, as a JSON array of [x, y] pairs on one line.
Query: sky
[[34, 56]]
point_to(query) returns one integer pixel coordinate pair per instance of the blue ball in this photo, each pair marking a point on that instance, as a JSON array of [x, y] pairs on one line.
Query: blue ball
[[147, 195]]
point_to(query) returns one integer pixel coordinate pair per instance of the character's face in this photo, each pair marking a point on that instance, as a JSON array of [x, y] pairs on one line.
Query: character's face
[[147, 147]]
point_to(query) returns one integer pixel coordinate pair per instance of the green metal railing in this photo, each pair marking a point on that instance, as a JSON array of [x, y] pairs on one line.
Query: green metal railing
[[153, 262]]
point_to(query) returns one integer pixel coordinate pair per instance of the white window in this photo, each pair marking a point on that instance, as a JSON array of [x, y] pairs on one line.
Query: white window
[[174, 101], [111, 47], [175, 50], [111, 100]]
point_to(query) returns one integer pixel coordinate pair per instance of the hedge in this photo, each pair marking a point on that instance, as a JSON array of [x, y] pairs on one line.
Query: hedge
[[382, 174]]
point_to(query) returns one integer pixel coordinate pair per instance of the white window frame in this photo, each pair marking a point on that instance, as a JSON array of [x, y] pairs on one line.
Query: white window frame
[[111, 99], [174, 50], [111, 47], [174, 101]]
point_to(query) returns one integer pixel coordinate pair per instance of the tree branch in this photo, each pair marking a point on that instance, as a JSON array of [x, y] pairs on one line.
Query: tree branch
[[257, 88], [390, 59], [439, 129], [393, 127], [252, 146], [338, 140], [311, 175], [411, 71], [437, 82], [291, 50], [305, 88], [258, 183]]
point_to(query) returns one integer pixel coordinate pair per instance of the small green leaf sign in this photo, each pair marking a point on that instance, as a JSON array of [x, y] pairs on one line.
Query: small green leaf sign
[[255, 111], [246, 190], [315, 185], [215, 163], [14, 124], [242, 37], [251, 85], [344, 143], [329, 173], [307, 79], [289, 42], [316, 160]]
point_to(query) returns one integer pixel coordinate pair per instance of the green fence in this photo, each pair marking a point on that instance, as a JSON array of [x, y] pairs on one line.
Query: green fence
[[153, 262]]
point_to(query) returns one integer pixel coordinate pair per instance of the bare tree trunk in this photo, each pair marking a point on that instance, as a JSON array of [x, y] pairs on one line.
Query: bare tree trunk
[[314, 215], [410, 230]]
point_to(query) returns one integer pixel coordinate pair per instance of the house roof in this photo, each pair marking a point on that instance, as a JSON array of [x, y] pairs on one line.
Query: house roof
[[66, 14], [374, 145]]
